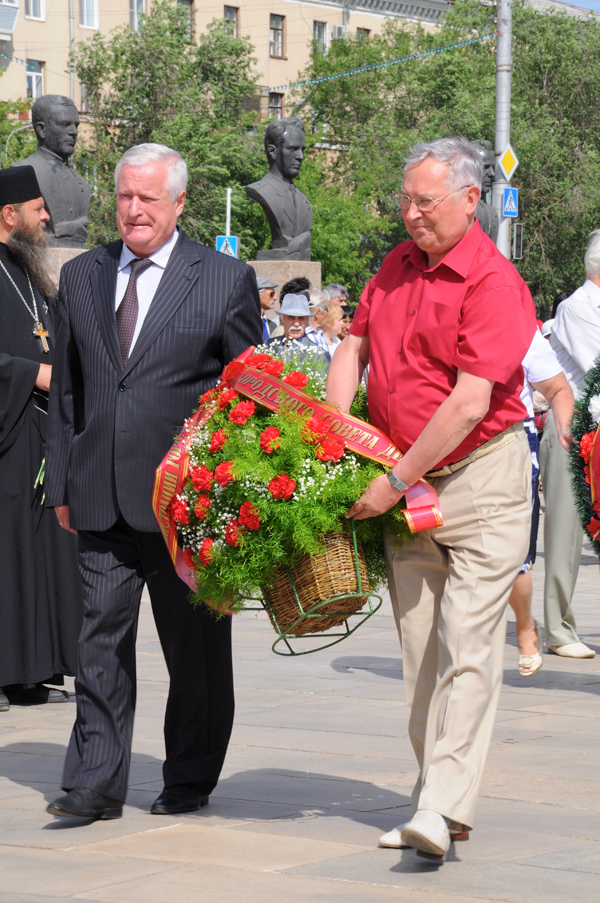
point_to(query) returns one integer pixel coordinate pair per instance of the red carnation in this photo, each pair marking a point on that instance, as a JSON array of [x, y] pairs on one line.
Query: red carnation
[[188, 557], [270, 439], [273, 368], [314, 431], [296, 379], [233, 533], [205, 551], [586, 471], [249, 516], [202, 478], [258, 361], [330, 450], [217, 441], [242, 412], [179, 510], [585, 446], [226, 397], [282, 487], [207, 396], [202, 506], [223, 474]]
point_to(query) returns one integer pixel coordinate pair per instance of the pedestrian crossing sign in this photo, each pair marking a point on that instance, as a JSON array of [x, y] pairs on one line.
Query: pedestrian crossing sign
[[228, 244], [510, 202]]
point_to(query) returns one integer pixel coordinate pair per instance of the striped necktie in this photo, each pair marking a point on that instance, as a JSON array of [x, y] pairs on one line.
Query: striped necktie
[[128, 310]]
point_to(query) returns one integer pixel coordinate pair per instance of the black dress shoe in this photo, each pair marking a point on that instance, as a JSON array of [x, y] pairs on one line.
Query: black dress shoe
[[84, 803], [4, 703], [37, 695], [177, 799]]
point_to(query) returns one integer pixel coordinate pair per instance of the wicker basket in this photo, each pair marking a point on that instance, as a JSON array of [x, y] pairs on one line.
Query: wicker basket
[[297, 594]]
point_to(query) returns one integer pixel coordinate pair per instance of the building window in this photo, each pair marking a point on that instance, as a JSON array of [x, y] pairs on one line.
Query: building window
[[320, 35], [35, 79], [88, 13], [363, 34], [275, 106], [276, 37], [230, 14], [187, 7], [136, 9], [35, 9]]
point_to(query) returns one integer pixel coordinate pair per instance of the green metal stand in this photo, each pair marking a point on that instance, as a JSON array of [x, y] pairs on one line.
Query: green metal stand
[[285, 638]]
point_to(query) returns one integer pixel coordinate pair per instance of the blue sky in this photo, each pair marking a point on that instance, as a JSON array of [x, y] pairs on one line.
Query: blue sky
[[586, 4]]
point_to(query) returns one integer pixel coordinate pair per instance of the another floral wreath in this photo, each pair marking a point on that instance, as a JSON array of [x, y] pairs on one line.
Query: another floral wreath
[[264, 488], [584, 426]]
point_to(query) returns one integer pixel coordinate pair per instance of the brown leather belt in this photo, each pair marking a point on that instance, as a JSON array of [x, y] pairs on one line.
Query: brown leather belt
[[487, 448]]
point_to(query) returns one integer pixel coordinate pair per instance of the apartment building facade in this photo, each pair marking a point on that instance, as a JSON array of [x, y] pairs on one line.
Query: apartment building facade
[[36, 35]]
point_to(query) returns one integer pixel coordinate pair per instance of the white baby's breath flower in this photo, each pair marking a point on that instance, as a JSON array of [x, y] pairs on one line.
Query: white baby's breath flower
[[594, 408]]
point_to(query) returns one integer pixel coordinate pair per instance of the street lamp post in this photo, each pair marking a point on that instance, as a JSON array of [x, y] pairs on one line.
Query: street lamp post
[[503, 90]]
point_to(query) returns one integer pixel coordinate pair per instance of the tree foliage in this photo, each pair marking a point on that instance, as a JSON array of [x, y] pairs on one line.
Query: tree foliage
[[156, 85], [373, 119]]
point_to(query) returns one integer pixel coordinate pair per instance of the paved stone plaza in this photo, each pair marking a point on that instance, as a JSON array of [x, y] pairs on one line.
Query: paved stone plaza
[[319, 766]]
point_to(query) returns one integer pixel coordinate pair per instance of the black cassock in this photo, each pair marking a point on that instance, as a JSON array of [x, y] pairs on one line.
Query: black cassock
[[41, 608]]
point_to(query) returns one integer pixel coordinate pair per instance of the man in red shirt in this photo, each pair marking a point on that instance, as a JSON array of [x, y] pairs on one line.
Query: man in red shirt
[[444, 326]]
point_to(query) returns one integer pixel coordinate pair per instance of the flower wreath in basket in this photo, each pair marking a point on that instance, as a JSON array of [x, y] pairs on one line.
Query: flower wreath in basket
[[585, 456], [264, 487]]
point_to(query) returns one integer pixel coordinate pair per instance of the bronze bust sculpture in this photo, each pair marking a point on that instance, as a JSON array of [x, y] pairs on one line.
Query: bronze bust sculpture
[[66, 195], [485, 213], [288, 210]]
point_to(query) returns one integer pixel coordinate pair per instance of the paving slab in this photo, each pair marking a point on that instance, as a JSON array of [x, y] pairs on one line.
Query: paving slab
[[319, 765]]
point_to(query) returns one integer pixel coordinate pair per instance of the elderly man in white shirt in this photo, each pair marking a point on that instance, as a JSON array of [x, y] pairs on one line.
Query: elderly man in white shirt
[[575, 339]]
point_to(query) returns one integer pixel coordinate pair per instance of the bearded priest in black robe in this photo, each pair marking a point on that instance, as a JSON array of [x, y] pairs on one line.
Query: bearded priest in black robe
[[41, 608]]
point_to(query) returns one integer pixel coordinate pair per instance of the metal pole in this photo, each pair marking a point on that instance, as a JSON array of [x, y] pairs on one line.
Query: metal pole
[[228, 220], [72, 48], [503, 88]]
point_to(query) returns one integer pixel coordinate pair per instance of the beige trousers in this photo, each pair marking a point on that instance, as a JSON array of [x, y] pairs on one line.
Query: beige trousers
[[449, 589]]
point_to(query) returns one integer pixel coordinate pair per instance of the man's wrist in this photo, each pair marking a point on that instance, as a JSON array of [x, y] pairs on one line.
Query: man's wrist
[[396, 483]]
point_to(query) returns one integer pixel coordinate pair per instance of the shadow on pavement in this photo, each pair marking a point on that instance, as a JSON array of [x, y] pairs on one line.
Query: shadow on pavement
[[546, 679], [269, 791]]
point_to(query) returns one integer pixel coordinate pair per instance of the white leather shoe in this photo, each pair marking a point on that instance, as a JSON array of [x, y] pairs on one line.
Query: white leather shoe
[[573, 650], [393, 840], [427, 832]]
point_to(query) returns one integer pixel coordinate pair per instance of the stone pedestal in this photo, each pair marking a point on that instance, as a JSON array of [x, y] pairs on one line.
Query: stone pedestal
[[58, 256], [281, 271]]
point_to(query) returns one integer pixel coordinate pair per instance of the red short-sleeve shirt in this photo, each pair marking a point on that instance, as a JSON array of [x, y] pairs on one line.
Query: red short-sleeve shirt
[[471, 312]]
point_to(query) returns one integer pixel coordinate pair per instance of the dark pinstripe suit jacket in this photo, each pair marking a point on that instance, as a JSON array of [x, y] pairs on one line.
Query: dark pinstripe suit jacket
[[110, 426]]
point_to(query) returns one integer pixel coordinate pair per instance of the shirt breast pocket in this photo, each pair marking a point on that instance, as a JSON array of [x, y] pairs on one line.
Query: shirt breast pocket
[[435, 334]]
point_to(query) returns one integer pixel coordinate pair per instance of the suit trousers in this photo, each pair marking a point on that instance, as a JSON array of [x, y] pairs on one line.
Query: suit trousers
[[115, 564], [563, 539], [449, 589]]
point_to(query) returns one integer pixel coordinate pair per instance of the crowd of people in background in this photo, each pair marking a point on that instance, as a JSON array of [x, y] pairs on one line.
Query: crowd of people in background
[[305, 315]]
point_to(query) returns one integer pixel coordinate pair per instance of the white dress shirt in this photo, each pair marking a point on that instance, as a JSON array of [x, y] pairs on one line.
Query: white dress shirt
[[147, 282], [576, 334], [540, 363]]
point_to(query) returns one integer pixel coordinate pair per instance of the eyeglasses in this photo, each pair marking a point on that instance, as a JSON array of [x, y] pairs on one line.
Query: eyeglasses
[[423, 203]]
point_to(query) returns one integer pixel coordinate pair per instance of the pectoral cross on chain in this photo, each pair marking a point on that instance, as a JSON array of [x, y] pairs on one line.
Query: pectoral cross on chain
[[42, 334]]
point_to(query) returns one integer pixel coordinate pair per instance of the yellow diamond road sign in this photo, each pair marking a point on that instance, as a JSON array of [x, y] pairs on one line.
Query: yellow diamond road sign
[[508, 162]]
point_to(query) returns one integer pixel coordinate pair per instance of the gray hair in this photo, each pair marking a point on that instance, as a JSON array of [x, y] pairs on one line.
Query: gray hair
[[317, 297], [142, 154], [465, 163], [335, 290], [592, 255]]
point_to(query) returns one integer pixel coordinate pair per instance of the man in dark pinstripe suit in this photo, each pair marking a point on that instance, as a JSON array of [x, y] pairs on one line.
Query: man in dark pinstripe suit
[[145, 326]]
